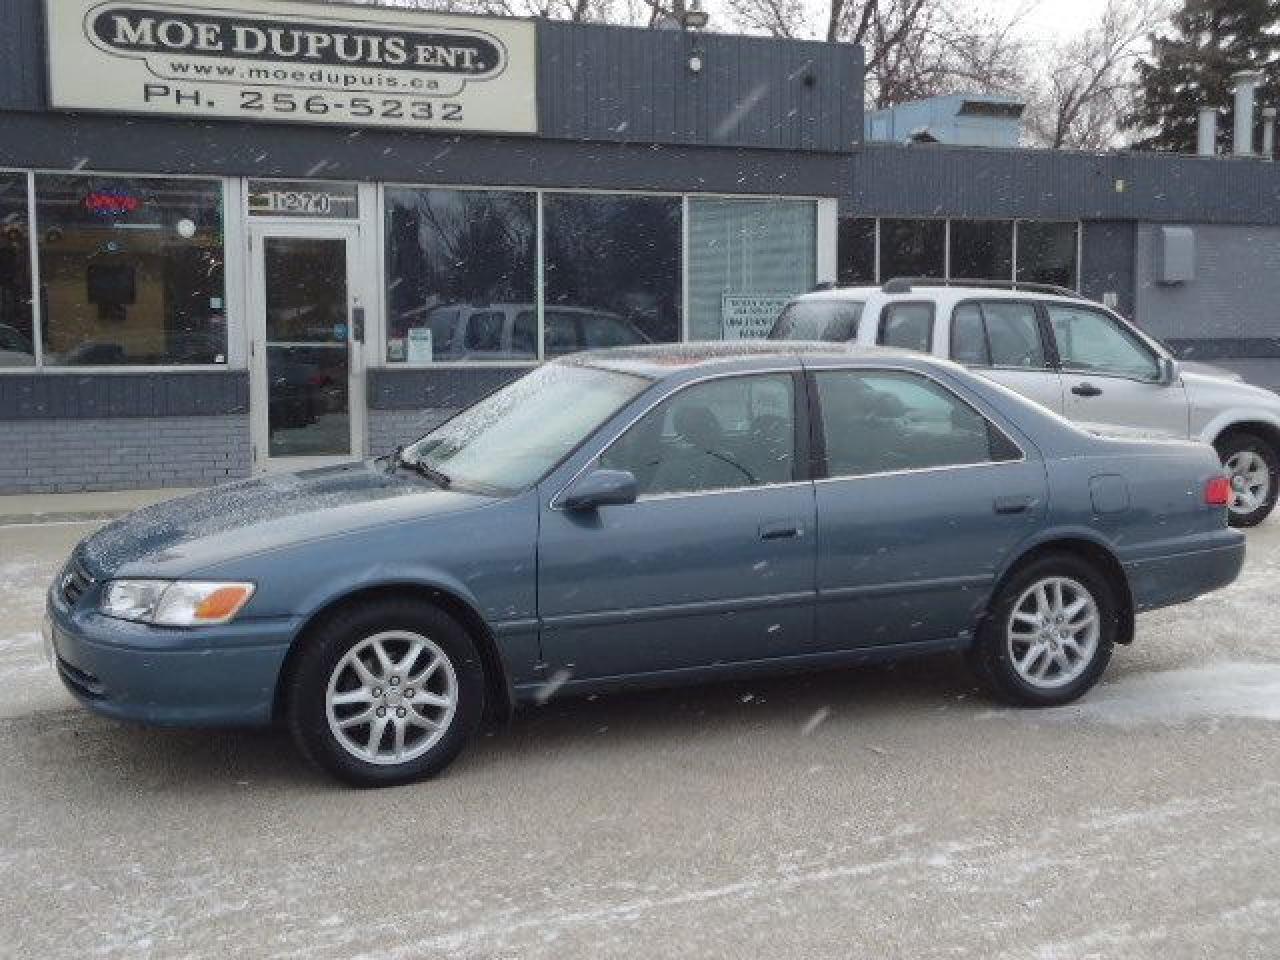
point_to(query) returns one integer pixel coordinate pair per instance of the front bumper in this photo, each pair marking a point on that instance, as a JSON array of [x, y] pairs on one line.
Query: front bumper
[[215, 676], [1176, 578]]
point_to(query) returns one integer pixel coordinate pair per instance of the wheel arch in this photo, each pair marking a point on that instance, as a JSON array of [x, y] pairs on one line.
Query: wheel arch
[[499, 700], [1088, 549], [1264, 429]]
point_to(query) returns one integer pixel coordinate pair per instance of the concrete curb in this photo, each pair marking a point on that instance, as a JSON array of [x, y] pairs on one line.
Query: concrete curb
[[38, 508]]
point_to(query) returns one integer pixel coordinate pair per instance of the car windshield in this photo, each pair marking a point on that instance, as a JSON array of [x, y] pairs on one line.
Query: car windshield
[[513, 437], [834, 321]]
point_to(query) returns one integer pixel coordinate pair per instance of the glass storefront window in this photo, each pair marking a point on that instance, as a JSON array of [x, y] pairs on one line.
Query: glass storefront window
[[1047, 252], [461, 275], [131, 270], [17, 338], [982, 249], [611, 273], [747, 258], [912, 248], [856, 251]]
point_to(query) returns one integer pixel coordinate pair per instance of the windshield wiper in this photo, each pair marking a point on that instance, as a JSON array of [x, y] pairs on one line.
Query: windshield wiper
[[440, 479]]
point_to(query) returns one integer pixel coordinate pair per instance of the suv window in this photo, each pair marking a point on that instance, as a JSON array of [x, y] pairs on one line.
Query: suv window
[[723, 434], [834, 321], [562, 333], [887, 421], [484, 332], [524, 333], [1092, 341], [604, 330], [907, 325], [997, 333]]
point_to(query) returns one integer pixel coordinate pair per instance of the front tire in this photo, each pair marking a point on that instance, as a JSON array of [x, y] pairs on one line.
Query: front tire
[[1049, 634], [1254, 470], [385, 693]]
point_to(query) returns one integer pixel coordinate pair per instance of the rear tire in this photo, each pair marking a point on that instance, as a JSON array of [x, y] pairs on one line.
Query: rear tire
[[1254, 469], [385, 693], [1049, 634]]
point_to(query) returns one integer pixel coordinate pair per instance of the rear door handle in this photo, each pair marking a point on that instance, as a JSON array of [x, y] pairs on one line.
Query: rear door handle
[[1013, 504], [781, 531], [1086, 390]]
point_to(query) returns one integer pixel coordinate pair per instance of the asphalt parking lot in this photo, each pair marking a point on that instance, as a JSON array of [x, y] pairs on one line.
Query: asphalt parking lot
[[878, 812]]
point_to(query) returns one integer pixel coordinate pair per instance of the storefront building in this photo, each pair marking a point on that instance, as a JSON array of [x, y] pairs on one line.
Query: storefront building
[[264, 234]]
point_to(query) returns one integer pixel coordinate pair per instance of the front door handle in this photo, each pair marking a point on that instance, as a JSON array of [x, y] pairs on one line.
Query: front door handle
[[1086, 390], [1006, 505], [781, 531]]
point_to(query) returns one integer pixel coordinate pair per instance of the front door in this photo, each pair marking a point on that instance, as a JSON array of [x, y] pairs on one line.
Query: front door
[[306, 350]]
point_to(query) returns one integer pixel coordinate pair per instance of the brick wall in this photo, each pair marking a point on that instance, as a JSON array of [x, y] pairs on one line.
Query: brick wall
[[389, 427], [68, 455]]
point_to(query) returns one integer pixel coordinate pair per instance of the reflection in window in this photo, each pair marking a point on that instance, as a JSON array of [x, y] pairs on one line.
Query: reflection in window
[[1047, 252], [834, 321], [131, 270], [612, 270], [16, 335], [1001, 333], [1092, 341], [856, 252], [747, 258], [883, 422], [725, 434], [982, 249], [461, 268], [912, 248]]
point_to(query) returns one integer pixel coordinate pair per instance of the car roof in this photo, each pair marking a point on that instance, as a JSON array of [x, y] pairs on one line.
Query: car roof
[[659, 361], [931, 290]]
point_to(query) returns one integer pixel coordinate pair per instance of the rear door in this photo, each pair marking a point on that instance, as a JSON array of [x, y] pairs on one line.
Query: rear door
[[921, 497], [1007, 341], [1111, 376]]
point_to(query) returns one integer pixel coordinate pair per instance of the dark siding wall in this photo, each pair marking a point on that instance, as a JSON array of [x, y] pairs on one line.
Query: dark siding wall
[[975, 182], [22, 70], [618, 83], [37, 396], [1107, 262]]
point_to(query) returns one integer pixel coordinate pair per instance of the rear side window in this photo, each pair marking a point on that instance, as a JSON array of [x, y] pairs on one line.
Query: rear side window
[[997, 333], [907, 325], [889, 421], [834, 321]]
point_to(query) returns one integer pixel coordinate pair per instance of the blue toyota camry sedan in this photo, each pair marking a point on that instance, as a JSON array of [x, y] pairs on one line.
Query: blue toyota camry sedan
[[642, 516]]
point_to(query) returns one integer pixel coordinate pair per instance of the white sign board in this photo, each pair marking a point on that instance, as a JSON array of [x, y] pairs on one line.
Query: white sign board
[[293, 63], [749, 317], [421, 350]]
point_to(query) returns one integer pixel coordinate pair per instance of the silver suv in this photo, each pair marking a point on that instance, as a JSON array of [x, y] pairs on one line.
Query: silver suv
[[1069, 354]]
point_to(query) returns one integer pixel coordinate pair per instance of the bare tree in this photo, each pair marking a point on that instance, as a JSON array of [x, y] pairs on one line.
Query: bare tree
[[1088, 82], [914, 48], [629, 12]]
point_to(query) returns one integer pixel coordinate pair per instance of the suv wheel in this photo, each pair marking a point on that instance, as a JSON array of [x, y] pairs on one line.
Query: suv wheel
[[1050, 633], [385, 693], [1254, 470]]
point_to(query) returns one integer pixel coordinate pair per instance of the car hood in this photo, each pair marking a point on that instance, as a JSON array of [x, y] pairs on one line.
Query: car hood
[[1209, 370], [178, 537]]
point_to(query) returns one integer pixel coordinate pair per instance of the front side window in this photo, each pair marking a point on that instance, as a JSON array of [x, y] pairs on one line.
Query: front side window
[[1090, 341], [907, 325], [17, 339], [131, 271], [887, 421], [997, 333], [835, 321], [511, 438], [616, 256], [450, 252], [724, 434]]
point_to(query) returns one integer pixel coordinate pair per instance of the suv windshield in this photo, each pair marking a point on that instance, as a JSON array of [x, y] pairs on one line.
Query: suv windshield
[[831, 320], [511, 438]]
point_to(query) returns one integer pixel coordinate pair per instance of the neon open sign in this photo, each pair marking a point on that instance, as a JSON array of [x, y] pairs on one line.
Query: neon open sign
[[111, 203]]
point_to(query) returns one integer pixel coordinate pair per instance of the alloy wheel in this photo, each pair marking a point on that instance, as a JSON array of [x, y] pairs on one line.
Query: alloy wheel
[[1250, 481], [391, 697], [1053, 632]]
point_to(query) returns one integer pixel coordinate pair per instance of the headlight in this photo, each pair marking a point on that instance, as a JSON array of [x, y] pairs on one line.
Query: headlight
[[175, 603]]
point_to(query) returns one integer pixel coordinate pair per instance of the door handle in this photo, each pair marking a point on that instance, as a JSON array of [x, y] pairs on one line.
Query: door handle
[[781, 531], [1086, 390], [1007, 505]]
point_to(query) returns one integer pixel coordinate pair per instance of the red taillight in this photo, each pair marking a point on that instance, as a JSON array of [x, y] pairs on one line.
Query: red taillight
[[1217, 492]]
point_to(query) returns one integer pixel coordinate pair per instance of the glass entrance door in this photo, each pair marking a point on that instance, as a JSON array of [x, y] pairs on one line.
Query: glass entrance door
[[306, 354]]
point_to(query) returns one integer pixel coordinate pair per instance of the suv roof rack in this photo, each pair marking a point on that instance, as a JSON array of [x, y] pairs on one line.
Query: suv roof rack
[[904, 285]]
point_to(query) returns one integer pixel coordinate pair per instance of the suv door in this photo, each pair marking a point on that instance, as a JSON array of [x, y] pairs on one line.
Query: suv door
[[714, 562], [1006, 341], [921, 497], [1110, 375]]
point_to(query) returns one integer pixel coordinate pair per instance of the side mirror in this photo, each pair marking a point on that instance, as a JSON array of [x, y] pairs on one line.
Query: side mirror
[[601, 488], [1168, 371]]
